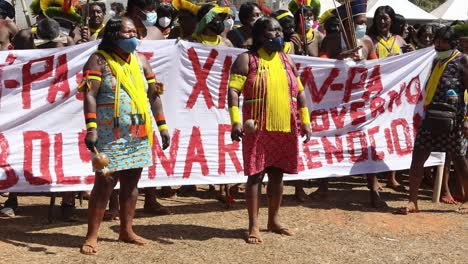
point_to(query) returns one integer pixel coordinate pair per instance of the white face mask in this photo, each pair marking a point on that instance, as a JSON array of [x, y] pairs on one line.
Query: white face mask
[[164, 22], [151, 18], [309, 24], [112, 13], [361, 31], [228, 23], [65, 31]]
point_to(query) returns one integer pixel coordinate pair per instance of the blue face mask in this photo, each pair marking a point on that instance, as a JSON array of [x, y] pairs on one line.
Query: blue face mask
[[361, 31], [151, 18], [275, 44], [128, 45]]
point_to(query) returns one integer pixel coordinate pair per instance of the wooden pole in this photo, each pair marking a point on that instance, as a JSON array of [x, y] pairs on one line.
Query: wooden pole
[[26, 13]]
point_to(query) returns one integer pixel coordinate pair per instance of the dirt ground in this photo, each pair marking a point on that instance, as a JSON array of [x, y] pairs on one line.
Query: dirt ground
[[342, 229]]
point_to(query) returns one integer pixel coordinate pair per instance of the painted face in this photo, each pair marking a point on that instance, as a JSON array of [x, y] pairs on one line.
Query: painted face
[[96, 15]]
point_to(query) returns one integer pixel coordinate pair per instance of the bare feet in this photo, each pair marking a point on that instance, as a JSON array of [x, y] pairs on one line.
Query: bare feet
[[409, 208], [156, 208], [448, 199], [278, 229], [376, 201], [463, 209], [133, 239], [300, 194], [89, 247], [254, 236]]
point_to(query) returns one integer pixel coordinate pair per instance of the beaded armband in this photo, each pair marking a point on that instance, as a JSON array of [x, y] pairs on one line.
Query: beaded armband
[[304, 115], [161, 122], [90, 119], [237, 81], [234, 113]]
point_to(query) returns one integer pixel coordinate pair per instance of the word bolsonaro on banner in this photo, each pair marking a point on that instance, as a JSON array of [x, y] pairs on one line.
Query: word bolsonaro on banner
[[364, 117]]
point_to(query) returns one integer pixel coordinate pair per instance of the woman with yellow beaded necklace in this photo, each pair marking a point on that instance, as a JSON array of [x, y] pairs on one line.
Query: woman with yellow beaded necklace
[[386, 43], [273, 95], [210, 26]]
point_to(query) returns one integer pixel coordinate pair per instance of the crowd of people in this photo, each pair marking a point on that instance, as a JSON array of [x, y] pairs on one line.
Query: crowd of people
[[119, 76]]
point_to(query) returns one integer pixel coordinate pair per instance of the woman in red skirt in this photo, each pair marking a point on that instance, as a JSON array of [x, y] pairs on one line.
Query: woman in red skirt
[[273, 96]]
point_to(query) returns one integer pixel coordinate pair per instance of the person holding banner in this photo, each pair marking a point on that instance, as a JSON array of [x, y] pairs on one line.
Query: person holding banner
[[46, 34], [144, 16], [340, 46], [448, 132], [339, 43], [186, 17], [273, 95], [210, 26], [8, 27], [94, 29], [307, 40], [119, 124]]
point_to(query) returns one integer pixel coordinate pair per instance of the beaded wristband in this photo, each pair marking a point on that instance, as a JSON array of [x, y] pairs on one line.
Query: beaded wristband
[[90, 119], [304, 115], [161, 122], [235, 115]]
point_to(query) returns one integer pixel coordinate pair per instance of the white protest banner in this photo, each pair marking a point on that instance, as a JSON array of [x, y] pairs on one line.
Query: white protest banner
[[363, 117]]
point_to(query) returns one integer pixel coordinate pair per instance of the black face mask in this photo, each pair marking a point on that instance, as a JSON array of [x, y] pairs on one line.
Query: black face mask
[[217, 27], [275, 44]]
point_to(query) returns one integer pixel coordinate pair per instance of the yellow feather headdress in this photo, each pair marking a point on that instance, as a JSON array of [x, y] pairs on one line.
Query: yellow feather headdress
[[185, 5]]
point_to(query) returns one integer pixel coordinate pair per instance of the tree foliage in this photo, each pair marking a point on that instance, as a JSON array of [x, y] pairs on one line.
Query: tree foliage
[[428, 5]]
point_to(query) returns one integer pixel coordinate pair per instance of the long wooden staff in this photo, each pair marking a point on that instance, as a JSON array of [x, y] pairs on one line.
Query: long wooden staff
[[352, 29], [26, 13], [348, 44], [302, 21]]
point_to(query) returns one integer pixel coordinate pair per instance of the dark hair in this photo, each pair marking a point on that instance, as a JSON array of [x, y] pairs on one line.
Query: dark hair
[[298, 12], [204, 10], [118, 6], [6, 9], [259, 30], [449, 34], [111, 33], [246, 10], [424, 28], [381, 10], [285, 22], [330, 22], [141, 4], [102, 5], [48, 28], [398, 25], [165, 10]]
